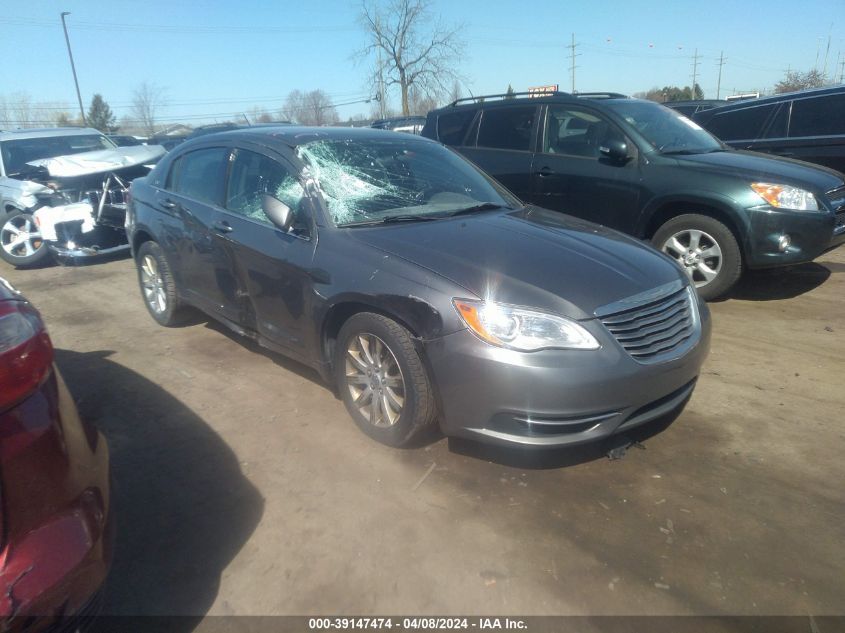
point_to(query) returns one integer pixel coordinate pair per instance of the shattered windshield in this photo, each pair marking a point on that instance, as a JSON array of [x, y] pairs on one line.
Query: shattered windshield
[[370, 181], [667, 131], [17, 153]]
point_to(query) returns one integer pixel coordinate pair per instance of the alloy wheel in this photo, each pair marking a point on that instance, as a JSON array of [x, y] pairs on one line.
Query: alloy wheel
[[19, 236], [698, 253], [374, 380], [153, 285]]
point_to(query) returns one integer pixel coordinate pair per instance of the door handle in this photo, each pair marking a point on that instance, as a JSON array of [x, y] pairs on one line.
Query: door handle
[[221, 226], [545, 172], [167, 203]]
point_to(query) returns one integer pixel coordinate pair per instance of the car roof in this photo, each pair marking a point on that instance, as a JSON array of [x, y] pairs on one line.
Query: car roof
[[784, 96], [296, 135], [557, 97], [10, 135]]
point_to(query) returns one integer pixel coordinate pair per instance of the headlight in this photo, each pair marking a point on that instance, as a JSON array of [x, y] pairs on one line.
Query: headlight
[[521, 329], [785, 197]]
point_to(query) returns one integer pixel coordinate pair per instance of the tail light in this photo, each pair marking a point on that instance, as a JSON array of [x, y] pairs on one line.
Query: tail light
[[26, 353]]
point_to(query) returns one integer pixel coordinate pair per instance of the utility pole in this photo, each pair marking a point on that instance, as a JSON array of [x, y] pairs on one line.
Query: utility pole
[[694, 72], [572, 65], [380, 76], [73, 68], [722, 61]]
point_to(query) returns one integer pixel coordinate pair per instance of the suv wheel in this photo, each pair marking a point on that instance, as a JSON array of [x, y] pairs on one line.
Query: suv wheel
[[20, 240], [382, 380], [705, 248]]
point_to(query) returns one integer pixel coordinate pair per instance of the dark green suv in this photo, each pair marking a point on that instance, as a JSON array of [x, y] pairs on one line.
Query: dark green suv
[[646, 170]]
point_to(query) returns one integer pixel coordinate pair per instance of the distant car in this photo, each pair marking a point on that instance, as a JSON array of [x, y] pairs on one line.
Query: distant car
[[420, 288], [688, 108], [54, 469], [807, 125], [409, 124], [62, 193], [123, 140], [167, 142], [648, 171]]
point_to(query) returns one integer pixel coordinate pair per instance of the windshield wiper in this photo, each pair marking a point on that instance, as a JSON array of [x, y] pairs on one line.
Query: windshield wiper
[[688, 152], [484, 206], [389, 219], [408, 217]]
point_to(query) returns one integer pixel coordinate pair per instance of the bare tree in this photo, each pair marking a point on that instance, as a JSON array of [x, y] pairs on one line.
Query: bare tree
[[412, 49], [455, 91], [310, 108], [796, 80], [147, 99], [292, 107], [419, 103]]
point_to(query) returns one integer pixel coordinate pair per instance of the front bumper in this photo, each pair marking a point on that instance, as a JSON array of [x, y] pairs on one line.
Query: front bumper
[[555, 398], [810, 234]]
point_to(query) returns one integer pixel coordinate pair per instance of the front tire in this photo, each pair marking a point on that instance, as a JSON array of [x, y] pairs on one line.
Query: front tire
[[158, 287], [382, 380], [20, 240], [705, 248]]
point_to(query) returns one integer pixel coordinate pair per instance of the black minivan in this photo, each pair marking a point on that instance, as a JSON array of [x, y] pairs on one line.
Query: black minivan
[[646, 170], [807, 125]]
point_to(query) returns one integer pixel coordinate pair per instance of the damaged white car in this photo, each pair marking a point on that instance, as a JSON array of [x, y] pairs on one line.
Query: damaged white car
[[63, 193]]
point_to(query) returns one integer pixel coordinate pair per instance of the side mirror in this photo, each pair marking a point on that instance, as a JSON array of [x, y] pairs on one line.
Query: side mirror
[[614, 149], [279, 213]]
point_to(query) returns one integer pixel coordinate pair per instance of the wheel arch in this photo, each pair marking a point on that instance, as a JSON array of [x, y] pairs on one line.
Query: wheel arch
[[660, 212]]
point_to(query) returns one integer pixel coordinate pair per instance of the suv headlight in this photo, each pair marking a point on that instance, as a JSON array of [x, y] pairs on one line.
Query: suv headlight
[[786, 196], [521, 329]]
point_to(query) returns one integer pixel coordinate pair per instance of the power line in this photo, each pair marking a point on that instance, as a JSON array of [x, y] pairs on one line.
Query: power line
[[694, 71], [722, 61], [572, 65]]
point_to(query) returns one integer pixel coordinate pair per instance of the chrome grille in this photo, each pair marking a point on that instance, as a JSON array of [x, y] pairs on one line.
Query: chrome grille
[[656, 328]]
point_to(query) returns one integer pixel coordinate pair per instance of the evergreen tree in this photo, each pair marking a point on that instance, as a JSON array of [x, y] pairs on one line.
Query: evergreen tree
[[510, 93], [100, 115]]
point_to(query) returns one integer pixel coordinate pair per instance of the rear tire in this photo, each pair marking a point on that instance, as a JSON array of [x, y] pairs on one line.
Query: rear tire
[[20, 240], [158, 288], [383, 381], [705, 249]]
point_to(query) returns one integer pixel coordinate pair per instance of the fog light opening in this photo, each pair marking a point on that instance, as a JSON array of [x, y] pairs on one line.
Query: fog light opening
[[783, 243]]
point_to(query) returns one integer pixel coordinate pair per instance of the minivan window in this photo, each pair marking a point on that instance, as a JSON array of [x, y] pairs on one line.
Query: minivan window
[[200, 175], [507, 128], [745, 123], [254, 175], [452, 127], [818, 116], [667, 131]]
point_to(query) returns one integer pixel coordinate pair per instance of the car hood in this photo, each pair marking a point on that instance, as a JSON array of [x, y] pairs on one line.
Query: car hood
[[532, 257], [767, 168], [99, 161]]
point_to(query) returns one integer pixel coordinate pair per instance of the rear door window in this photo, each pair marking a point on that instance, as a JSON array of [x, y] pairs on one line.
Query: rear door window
[[200, 175], [747, 123], [818, 116], [508, 128], [452, 127]]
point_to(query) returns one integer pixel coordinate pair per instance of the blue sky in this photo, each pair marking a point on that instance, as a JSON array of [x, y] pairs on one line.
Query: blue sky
[[216, 58]]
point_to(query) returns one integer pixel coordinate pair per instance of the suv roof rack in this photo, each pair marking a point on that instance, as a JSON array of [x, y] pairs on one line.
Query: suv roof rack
[[601, 95], [506, 95]]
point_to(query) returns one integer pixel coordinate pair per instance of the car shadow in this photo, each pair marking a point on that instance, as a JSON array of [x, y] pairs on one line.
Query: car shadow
[[613, 447], [182, 506], [780, 283]]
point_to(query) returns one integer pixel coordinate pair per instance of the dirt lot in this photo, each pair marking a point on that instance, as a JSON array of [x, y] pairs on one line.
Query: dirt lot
[[242, 487]]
